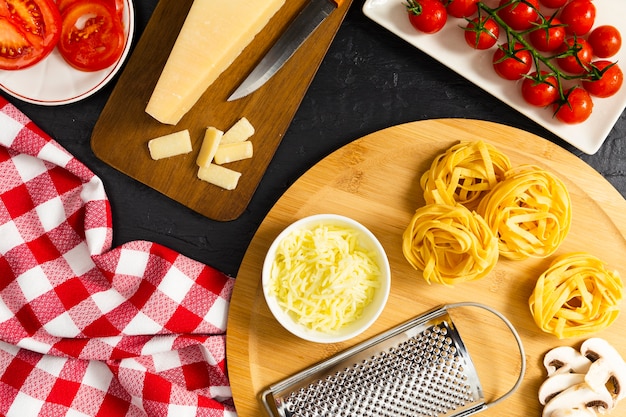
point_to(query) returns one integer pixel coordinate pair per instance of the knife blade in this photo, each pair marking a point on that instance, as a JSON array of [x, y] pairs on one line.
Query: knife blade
[[298, 31]]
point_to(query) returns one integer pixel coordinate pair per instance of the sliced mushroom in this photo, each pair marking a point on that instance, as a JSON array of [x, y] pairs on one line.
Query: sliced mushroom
[[608, 368], [558, 383], [580, 412], [565, 359], [579, 397]]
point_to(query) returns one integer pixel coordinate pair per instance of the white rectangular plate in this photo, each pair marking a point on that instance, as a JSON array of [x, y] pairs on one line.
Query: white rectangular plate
[[448, 47]]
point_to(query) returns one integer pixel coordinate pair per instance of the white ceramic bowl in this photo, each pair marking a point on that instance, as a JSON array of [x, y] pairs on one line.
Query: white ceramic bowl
[[370, 313]]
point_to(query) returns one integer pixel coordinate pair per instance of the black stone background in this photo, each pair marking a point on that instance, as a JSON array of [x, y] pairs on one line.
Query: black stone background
[[369, 80]]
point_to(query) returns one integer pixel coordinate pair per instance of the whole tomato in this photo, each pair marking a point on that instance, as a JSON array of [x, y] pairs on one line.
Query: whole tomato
[[540, 90], [428, 16], [553, 4], [548, 36], [579, 16], [482, 32], [519, 14], [574, 56], [606, 79], [461, 8], [605, 41], [512, 63], [576, 108]]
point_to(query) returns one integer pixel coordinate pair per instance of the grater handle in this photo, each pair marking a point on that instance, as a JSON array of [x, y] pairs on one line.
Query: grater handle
[[515, 335]]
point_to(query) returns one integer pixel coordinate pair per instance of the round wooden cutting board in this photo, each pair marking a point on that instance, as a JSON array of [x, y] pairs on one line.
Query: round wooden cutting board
[[375, 180]]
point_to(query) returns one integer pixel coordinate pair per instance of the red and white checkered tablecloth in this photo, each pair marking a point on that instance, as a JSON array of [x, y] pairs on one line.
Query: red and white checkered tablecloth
[[87, 329]]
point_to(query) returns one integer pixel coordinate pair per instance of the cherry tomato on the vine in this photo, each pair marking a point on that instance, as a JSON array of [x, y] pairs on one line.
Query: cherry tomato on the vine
[[512, 63], [519, 14], [610, 81], [579, 16], [548, 36], [428, 16], [553, 4], [605, 41], [461, 8], [571, 61], [482, 32], [576, 108], [540, 91]]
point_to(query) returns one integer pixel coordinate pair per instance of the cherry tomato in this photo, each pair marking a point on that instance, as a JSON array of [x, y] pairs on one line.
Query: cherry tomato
[[519, 14], [427, 16], [482, 33], [540, 91], [512, 63], [576, 108], [92, 37], [605, 41], [29, 31], [461, 8], [553, 4], [579, 16], [549, 36], [610, 81], [571, 61]]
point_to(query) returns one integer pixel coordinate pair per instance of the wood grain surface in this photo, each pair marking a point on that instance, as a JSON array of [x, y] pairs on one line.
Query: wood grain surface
[[374, 180], [121, 134]]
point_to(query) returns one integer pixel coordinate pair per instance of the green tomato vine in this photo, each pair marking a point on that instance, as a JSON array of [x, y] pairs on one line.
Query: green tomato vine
[[543, 23]]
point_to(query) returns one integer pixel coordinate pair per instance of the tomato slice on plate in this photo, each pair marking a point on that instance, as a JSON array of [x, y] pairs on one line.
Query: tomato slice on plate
[[92, 37], [29, 31], [117, 5]]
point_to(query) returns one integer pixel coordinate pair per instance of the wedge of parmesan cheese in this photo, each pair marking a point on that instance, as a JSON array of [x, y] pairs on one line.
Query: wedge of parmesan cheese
[[240, 131], [213, 35], [221, 176], [210, 143], [166, 146], [231, 152]]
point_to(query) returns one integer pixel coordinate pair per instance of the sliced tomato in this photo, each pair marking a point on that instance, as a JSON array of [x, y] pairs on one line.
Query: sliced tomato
[[92, 37], [29, 31], [117, 5]]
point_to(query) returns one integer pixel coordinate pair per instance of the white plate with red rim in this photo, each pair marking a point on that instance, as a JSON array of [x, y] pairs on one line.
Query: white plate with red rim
[[448, 47], [54, 82]]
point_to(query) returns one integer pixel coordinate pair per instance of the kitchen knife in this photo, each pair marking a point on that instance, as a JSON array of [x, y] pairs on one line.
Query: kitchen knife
[[305, 23]]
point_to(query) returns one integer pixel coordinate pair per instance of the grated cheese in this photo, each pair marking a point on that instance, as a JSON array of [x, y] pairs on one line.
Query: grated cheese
[[323, 277]]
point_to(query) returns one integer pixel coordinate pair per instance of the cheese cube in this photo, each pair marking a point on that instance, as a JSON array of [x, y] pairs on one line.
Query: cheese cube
[[166, 146], [211, 141], [221, 176], [240, 131], [231, 152], [213, 35]]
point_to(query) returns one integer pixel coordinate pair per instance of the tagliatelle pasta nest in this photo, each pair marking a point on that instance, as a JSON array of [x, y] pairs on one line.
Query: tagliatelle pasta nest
[[529, 211], [464, 174], [450, 244], [576, 296]]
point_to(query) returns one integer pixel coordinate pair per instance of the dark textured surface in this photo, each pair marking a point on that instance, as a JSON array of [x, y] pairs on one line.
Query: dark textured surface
[[369, 80]]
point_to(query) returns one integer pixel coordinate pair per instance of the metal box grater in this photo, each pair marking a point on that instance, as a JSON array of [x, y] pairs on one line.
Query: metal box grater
[[420, 368]]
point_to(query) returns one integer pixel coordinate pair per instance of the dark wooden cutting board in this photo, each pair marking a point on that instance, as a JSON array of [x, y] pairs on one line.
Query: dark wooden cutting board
[[121, 133]]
